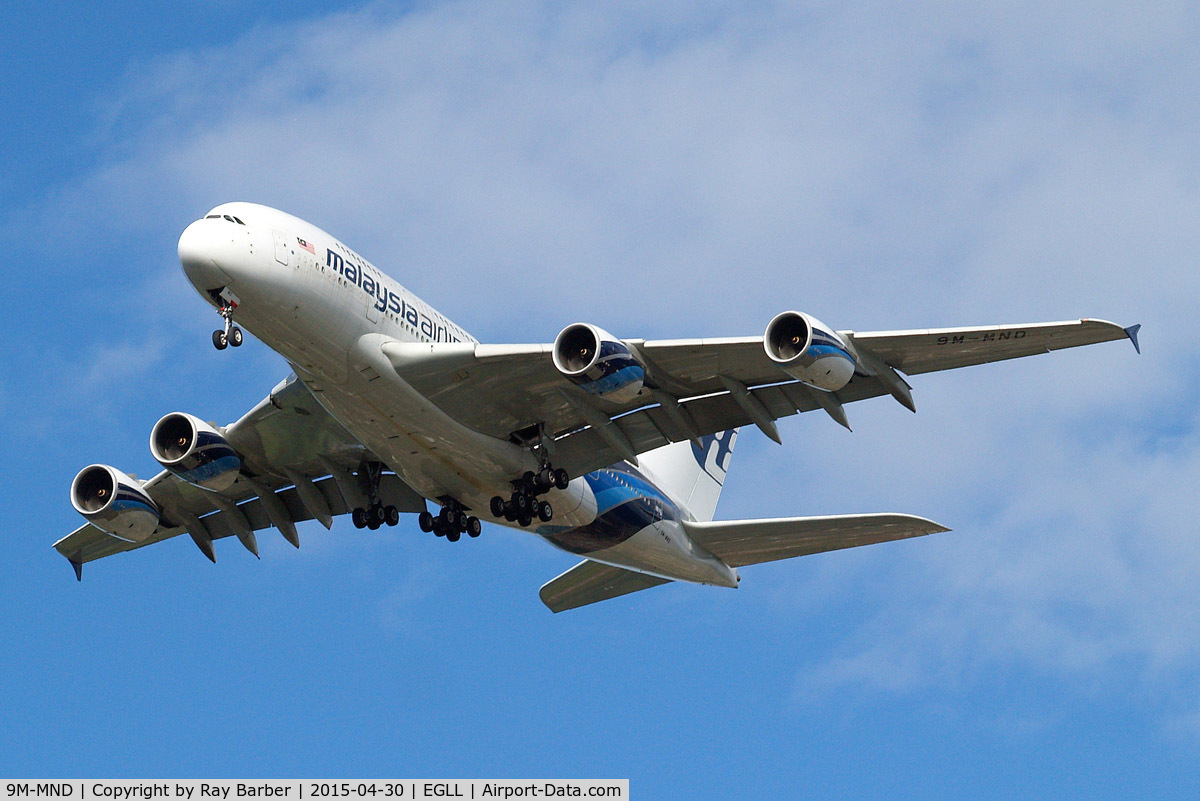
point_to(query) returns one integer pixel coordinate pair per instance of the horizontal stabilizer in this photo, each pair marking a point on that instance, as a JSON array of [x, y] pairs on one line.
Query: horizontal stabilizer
[[750, 542], [589, 582]]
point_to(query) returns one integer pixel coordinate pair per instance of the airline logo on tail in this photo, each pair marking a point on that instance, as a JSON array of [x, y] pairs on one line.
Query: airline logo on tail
[[714, 452]]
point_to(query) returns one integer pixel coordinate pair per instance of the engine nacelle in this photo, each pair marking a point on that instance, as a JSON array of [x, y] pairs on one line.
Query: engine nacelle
[[195, 451], [598, 362], [809, 351], [113, 502]]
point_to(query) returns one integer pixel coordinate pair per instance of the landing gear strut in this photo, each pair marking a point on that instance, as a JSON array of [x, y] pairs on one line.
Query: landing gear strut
[[523, 505], [452, 522], [375, 514], [231, 334]]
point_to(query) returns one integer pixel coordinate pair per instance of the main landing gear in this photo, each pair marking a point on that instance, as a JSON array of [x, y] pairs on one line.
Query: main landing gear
[[523, 505], [231, 334], [452, 522], [375, 514]]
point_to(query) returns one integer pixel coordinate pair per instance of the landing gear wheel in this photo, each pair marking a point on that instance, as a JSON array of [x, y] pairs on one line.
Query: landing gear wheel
[[474, 527], [235, 336], [520, 502], [497, 506], [359, 517], [453, 535], [439, 530], [219, 340], [374, 523], [561, 479], [377, 515], [545, 511], [425, 522], [525, 520], [391, 515]]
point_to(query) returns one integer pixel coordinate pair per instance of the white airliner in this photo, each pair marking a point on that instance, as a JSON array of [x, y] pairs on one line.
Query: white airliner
[[614, 450]]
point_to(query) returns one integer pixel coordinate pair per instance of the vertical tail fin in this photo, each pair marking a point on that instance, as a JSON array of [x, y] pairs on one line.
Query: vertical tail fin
[[692, 476]]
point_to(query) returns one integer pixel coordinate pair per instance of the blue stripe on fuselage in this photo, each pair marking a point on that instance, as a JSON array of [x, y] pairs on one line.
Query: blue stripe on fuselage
[[626, 503]]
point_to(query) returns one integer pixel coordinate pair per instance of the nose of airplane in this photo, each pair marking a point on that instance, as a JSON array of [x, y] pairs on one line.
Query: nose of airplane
[[198, 245]]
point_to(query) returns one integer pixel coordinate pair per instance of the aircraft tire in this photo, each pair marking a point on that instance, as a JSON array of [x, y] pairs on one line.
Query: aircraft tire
[[545, 511], [474, 527], [219, 340], [359, 517], [453, 535], [425, 522], [391, 515], [497, 506], [235, 337], [561, 479]]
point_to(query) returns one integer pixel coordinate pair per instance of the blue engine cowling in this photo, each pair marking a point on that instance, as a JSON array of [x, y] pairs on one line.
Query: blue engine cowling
[[809, 351], [195, 452], [598, 362], [114, 502]]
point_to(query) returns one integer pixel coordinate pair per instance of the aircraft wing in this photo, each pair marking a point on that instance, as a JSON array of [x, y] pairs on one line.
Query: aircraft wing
[[696, 387], [286, 441]]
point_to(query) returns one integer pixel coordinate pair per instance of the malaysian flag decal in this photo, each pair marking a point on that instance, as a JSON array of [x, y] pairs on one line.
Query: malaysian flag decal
[[304, 244]]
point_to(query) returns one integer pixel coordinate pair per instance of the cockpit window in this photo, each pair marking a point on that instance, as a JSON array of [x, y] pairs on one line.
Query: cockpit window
[[238, 220], [228, 217], [213, 217]]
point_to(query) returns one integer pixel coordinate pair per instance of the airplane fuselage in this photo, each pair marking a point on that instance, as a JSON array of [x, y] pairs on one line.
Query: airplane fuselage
[[329, 312]]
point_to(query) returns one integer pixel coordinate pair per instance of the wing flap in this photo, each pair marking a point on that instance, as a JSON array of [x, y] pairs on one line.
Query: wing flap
[[590, 582], [750, 542]]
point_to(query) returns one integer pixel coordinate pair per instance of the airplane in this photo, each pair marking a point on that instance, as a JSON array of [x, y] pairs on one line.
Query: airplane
[[614, 450]]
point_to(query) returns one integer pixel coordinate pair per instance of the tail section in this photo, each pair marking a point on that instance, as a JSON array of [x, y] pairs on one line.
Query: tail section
[[692, 476]]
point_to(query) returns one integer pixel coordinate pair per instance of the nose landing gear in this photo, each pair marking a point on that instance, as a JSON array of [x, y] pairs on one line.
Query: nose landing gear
[[230, 334]]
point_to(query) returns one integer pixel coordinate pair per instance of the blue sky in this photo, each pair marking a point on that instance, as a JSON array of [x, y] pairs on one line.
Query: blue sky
[[681, 170]]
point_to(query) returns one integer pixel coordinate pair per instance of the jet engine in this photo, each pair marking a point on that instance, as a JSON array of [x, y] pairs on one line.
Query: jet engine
[[598, 362], [195, 451], [113, 502], [809, 351]]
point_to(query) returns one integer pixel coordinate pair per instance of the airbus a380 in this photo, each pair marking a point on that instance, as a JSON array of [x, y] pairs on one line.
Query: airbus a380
[[611, 449]]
